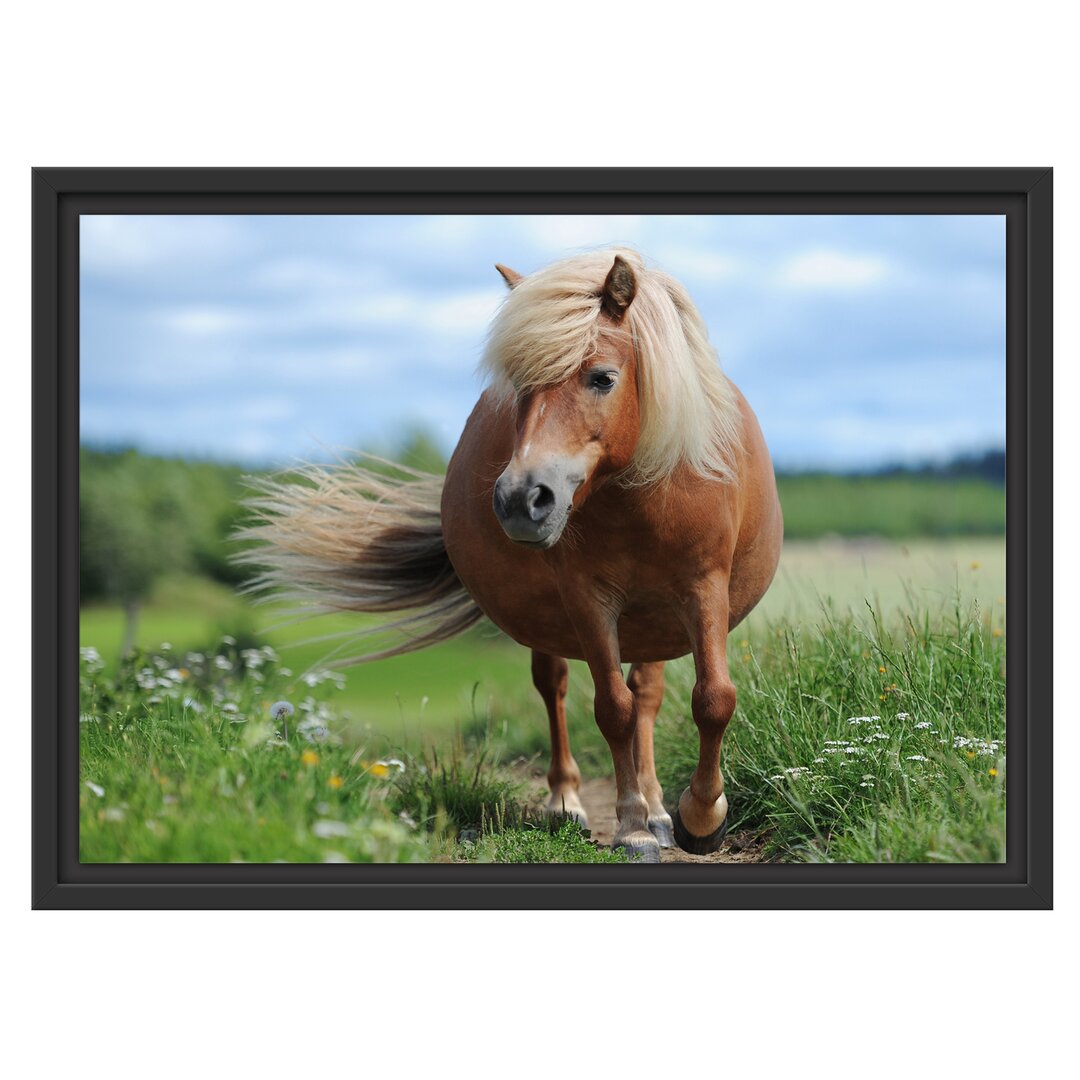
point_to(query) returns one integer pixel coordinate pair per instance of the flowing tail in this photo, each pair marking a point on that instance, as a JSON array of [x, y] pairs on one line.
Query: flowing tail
[[350, 538]]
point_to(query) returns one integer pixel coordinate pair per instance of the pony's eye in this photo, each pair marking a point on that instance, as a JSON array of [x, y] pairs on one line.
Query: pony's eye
[[603, 381]]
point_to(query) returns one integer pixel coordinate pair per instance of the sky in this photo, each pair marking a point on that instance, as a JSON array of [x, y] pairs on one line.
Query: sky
[[858, 340]]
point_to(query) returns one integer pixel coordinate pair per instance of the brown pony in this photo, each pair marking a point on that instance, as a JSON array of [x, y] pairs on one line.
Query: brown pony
[[611, 499]]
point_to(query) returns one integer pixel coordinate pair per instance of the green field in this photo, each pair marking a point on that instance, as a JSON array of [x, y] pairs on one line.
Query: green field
[[898, 507], [433, 691], [869, 728], [857, 738], [404, 696]]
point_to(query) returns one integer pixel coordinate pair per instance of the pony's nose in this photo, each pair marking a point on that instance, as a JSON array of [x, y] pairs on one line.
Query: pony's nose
[[525, 508], [539, 502]]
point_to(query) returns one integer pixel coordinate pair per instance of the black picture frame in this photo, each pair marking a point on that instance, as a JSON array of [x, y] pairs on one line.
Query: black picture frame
[[1024, 196]]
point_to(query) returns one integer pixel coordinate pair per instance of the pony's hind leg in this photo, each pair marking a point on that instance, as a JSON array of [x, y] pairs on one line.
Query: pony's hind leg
[[550, 676], [647, 683]]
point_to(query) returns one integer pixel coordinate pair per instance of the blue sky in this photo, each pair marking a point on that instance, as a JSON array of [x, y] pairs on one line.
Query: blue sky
[[858, 340]]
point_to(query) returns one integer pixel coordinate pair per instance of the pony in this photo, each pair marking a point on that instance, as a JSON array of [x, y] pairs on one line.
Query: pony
[[611, 499]]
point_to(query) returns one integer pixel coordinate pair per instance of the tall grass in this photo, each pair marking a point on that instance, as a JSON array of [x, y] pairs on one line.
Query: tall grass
[[189, 756], [854, 740]]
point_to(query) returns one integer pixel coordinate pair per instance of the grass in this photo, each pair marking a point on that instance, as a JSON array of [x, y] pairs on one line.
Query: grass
[[860, 741], [897, 507], [189, 757], [191, 770], [403, 697], [480, 682], [538, 844], [828, 757], [181, 761], [463, 788]]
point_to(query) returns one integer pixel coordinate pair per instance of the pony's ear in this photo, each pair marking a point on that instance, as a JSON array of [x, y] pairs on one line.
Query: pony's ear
[[619, 290], [511, 277]]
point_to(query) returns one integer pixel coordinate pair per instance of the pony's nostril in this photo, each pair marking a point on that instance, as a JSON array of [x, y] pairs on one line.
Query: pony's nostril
[[500, 502], [540, 502]]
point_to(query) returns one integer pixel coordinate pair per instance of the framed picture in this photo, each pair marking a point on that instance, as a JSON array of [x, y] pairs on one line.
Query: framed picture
[[563, 538]]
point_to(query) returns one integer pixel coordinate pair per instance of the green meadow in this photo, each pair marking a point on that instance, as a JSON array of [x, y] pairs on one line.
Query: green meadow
[[860, 736], [870, 723], [483, 673]]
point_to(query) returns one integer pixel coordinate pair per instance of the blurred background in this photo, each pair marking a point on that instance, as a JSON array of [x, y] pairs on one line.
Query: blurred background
[[872, 349]]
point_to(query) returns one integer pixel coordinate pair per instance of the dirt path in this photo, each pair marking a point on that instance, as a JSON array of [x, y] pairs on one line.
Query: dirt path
[[598, 798]]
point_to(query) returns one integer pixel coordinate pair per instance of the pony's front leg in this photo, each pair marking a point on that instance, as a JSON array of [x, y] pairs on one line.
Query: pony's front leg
[[616, 716], [550, 676], [701, 820]]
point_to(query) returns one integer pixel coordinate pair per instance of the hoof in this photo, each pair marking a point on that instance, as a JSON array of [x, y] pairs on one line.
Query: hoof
[[664, 832], [639, 847], [700, 845]]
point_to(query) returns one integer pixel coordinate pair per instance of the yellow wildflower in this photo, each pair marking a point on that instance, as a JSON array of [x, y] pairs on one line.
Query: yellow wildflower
[[309, 757], [335, 781], [379, 770], [993, 772]]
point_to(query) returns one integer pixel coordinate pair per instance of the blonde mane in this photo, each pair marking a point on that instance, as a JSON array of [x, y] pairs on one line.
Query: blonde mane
[[549, 325]]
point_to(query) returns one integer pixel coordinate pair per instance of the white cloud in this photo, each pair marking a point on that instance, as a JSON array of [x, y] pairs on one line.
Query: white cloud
[[700, 264], [466, 314], [824, 268], [118, 244], [301, 274], [445, 231], [567, 232], [462, 314], [204, 320], [264, 410], [381, 309], [203, 333]]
